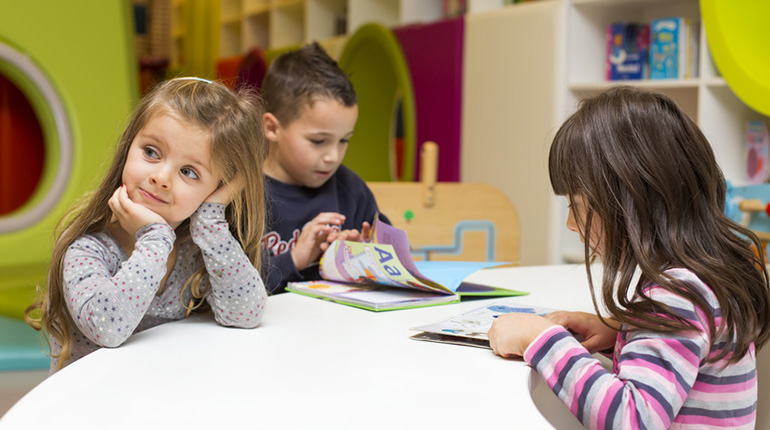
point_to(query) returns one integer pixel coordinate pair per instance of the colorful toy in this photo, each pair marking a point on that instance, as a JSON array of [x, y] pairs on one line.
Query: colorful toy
[[738, 39], [749, 205]]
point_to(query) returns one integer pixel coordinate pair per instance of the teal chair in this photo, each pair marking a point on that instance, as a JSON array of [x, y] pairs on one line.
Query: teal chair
[[21, 347]]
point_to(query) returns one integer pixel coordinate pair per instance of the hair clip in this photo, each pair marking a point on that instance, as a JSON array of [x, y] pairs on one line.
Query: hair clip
[[194, 78]]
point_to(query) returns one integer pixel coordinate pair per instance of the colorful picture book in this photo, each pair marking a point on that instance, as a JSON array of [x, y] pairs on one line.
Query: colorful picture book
[[628, 47], [757, 152], [381, 275], [470, 328], [673, 48]]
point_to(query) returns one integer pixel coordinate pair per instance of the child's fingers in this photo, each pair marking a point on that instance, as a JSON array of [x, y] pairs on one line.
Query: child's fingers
[[114, 203], [329, 218]]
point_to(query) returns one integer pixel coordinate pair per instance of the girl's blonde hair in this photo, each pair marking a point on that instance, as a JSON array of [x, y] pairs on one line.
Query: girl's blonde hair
[[233, 122]]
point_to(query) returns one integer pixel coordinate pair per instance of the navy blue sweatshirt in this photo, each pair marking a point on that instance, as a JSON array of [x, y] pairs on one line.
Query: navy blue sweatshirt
[[290, 207]]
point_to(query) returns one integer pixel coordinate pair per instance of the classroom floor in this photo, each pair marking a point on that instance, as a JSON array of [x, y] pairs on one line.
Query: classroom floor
[[14, 385]]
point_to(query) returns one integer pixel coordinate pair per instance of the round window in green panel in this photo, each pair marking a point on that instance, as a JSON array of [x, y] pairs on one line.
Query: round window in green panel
[[25, 77]]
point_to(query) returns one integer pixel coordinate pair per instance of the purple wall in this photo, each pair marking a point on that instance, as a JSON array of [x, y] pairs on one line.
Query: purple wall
[[434, 53]]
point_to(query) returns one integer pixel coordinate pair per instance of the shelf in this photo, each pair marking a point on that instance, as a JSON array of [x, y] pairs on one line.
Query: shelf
[[646, 83], [626, 3]]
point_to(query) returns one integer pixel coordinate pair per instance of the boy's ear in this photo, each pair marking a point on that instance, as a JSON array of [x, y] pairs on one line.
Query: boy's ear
[[270, 127]]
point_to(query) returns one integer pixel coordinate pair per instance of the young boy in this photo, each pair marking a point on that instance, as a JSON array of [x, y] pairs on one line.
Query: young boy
[[311, 110]]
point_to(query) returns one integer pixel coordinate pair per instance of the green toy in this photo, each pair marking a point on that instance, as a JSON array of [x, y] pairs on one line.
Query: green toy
[[740, 44]]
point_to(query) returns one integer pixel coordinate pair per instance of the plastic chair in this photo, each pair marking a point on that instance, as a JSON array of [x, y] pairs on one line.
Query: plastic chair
[[450, 220], [20, 347]]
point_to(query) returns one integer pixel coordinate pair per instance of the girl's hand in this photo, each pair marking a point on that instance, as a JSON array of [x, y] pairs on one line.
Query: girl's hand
[[308, 249], [512, 333], [131, 216], [225, 194], [352, 235], [594, 335]]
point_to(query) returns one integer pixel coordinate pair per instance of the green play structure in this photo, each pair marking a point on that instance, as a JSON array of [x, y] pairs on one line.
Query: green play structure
[[74, 63], [379, 72]]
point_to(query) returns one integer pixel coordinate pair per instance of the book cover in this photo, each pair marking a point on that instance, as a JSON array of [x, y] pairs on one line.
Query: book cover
[[381, 275], [627, 51], [673, 48], [757, 152], [470, 328]]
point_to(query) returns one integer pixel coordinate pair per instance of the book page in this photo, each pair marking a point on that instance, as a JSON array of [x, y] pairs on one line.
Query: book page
[[373, 263]]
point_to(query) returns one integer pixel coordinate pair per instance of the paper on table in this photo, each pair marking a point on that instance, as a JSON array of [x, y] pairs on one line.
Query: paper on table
[[474, 324]]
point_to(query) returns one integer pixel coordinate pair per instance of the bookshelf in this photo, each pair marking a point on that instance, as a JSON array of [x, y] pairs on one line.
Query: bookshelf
[[554, 57], [706, 98], [278, 23]]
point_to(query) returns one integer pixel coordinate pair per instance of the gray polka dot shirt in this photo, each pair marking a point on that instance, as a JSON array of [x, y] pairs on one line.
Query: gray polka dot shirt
[[111, 295]]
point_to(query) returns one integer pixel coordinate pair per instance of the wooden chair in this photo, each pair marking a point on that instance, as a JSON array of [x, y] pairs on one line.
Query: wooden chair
[[448, 220]]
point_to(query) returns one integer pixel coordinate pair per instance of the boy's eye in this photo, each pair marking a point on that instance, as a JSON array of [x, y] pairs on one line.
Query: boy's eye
[[344, 141], [190, 173], [317, 141], [151, 152]]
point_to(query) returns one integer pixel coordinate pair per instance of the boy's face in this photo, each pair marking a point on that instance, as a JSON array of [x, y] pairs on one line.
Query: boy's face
[[309, 149]]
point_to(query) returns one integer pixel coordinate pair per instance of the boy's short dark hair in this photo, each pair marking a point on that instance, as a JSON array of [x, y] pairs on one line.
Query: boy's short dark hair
[[297, 78]]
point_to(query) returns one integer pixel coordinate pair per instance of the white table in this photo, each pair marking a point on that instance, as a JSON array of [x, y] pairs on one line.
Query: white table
[[310, 364]]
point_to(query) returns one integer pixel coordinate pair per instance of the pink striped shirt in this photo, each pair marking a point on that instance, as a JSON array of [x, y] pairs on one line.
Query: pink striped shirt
[[659, 380]]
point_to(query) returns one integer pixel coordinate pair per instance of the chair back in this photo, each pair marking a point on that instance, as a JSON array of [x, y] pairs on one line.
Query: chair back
[[451, 221]]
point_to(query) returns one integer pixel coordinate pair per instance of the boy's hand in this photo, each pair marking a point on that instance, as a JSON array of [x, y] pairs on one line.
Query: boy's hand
[[308, 247], [224, 194], [588, 328], [512, 333], [131, 216], [352, 235]]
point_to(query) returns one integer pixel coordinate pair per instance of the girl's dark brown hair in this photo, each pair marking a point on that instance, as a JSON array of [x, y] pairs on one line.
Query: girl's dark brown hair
[[233, 122], [648, 174]]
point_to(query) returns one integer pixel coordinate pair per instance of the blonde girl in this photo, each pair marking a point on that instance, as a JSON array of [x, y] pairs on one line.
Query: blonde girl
[[175, 222], [647, 196]]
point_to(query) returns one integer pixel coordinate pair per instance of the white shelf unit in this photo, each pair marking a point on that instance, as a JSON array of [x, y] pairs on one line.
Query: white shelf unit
[[706, 97], [270, 24]]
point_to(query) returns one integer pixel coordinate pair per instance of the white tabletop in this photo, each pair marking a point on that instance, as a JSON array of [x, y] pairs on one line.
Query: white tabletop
[[310, 364]]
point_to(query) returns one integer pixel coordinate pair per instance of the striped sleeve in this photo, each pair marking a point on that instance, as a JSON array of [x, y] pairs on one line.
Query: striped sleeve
[[654, 374], [659, 380]]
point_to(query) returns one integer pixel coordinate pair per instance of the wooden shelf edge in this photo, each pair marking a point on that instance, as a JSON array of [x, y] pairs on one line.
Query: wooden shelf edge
[[644, 83]]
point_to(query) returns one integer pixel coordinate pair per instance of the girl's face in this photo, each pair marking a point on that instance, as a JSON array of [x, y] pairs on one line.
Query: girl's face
[[309, 149], [576, 221], [169, 168]]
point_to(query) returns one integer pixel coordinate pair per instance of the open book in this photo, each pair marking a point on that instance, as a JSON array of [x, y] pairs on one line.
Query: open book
[[470, 328], [381, 275]]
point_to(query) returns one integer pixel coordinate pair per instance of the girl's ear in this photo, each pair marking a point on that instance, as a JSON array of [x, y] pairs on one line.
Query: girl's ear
[[270, 127]]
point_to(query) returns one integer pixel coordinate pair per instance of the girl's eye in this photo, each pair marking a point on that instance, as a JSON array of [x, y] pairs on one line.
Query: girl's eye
[[344, 141], [190, 173], [317, 141], [151, 152]]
